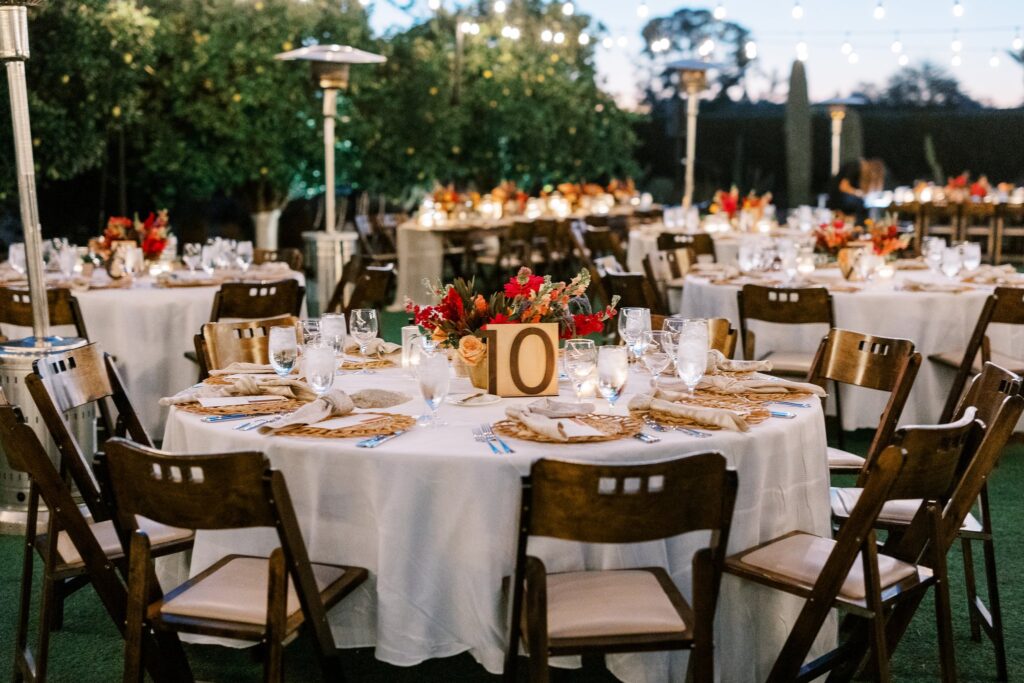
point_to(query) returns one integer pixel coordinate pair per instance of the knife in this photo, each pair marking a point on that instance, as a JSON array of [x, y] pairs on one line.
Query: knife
[[231, 416], [782, 414], [378, 440]]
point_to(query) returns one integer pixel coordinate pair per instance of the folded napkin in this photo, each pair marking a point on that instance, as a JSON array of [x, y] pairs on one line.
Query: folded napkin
[[936, 287], [376, 348], [993, 275], [244, 386], [717, 362], [336, 403], [911, 264], [239, 368], [542, 416], [716, 417], [758, 385]]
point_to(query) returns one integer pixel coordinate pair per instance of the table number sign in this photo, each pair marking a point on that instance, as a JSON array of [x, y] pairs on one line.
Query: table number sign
[[522, 360]]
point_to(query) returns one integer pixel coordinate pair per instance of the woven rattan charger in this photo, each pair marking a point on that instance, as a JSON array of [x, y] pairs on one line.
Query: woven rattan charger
[[613, 427], [386, 423]]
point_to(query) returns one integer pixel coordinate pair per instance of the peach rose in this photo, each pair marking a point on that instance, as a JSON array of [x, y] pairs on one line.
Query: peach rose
[[472, 350]]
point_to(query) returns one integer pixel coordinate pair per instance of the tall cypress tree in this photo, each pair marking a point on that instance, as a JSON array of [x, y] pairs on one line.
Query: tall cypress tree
[[798, 137]]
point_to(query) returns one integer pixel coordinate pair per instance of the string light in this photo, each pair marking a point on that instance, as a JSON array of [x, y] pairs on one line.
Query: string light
[[750, 50], [847, 46], [957, 44], [623, 41], [706, 47], [903, 60], [568, 9], [957, 60], [584, 39], [958, 9], [434, 5], [1018, 42], [798, 10], [660, 45], [510, 32], [559, 38], [801, 51], [879, 11], [897, 44], [470, 27], [719, 13], [607, 43], [853, 58], [993, 61], [643, 10], [500, 6], [546, 36]]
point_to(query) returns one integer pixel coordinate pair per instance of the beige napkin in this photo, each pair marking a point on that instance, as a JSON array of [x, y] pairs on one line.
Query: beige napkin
[[936, 287], [376, 348], [911, 264], [717, 417], [244, 386], [993, 275], [758, 385], [239, 368], [336, 403], [542, 416], [717, 362]]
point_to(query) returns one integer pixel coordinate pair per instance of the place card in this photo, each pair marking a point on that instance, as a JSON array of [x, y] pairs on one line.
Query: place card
[[347, 421], [221, 401]]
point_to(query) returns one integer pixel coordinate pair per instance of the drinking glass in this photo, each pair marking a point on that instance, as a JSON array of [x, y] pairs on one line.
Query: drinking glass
[[284, 349], [579, 359], [310, 331], [933, 248], [747, 257], [67, 256], [16, 256], [633, 322], [207, 258], [333, 330], [951, 262], [363, 327], [244, 255], [866, 264], [692, 352], [788, 259], [672, 326], [970, 255], [612, 372], [655, 354], [320, 365], [192, 256], [434, 378]]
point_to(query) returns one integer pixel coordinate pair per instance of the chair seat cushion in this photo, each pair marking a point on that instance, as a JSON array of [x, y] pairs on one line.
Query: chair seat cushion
[[840, 458], [106, 535], [893, 512], [790, 362], [954, 358], [605, 603], [801, 557], [237, 592]]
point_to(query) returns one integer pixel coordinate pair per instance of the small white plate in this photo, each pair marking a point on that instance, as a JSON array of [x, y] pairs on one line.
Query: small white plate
[[485, 400]]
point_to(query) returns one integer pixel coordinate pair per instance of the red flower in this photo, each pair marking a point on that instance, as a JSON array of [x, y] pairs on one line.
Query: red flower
[[978, 189], [451, 306], [587, 324], [424, 316], [499, 319], [523, 284], [153, 246]]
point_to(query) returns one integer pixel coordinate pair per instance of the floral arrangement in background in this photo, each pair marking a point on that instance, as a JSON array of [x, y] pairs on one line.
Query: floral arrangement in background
[[980, 188], [622, 190], [150, 234], [831, 237], [885, 236], [462, 312], [727, 202]]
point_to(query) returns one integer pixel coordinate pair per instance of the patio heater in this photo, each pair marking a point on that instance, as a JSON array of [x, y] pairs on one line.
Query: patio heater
[[837, 112], [693, 80], [17, 356], [329, 249]]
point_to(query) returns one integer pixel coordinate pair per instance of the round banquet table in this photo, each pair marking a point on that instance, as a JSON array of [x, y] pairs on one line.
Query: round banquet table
[[937, 322], [147, 329], [433, 513]]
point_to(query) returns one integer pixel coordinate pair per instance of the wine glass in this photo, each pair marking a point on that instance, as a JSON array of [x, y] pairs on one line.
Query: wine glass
[[970, 255], [580, 359], [16, 257], [67, 256], [633, 322], [310, 331], [320, 365], [655, 353], [207, 258], [951, 262], [284, 349], [434, 378], [363, 327], [192, 256], [692, 352], [333, 330], [244, 255], [612, 372], [933, 248]]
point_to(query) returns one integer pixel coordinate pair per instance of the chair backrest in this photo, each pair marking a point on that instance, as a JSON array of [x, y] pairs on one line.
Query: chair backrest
[[784, 305], [370, 289], [603, 242], [242, 342], [293, 257], [699, 243], [722, 336], [634, 290], [16, 309], [987, 391], [257, 300], [365, 231]]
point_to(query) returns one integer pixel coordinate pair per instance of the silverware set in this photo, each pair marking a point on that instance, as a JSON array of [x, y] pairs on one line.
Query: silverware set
[[659, 427], [484, 434], [375, 441]]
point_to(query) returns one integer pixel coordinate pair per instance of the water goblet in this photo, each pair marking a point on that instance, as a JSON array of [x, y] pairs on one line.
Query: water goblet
[[363, 327], [244, 255], [284, 350], [320, 365], [655, 353], [633, 322], [579, 359], [951, 262], [612, 372], [434, 378], [970, 255], [933, 248], [333, 331], [207, 258], [692, 352], [192, 256], [16, 257]]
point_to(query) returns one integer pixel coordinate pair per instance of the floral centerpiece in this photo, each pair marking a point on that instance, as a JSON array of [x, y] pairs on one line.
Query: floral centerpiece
[[150, 234], [885, 236], [462, 312], [831, 238]]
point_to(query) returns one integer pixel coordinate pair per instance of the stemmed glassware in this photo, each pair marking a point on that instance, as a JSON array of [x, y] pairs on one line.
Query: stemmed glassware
[[933, 248], [655, 353], [284, 350], [692, 352], [951, 262], [244, 255], [16, 257], [363, 327], [320, 364], [434, 377], [333, 331], [580, 359], [970, 255], [192, 256], [633, 322], [207, 258], [612, 372]]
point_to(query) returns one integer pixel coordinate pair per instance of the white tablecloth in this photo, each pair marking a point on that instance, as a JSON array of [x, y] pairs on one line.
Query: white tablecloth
[[433, 516], [935, 322]]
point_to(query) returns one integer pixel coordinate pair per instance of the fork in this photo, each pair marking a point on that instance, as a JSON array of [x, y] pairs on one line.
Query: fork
[[489, 433], [478, 434]]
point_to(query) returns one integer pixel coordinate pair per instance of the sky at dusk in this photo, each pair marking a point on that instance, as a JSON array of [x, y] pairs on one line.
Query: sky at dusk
[[927, 30]]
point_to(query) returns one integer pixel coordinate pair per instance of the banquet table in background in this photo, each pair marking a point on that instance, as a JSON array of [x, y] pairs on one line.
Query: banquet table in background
[[433, 516], [148, 329], [936, 322]]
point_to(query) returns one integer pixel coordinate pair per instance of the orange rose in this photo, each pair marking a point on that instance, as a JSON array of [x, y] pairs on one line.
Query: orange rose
[[472, 350], [480, 304]]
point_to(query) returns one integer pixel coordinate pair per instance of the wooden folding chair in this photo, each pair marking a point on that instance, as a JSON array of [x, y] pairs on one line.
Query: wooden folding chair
[[978, 220], [255, 300], [577, 231], [370, 246], [259, 599], [81, 550], [1005, 306], [582, 612], [941, 220], [849, 573], [666, 270], [633, 289], [293, 257], [699, 243], [244, 342], [784, 306], [722, 336], [370, 289], [16, 309], [1009, 224], [871, 362]]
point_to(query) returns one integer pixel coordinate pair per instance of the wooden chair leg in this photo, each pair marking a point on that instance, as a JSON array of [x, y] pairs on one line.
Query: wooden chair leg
[[970, 588], [995, 609], [135, 613], [46, 606], [22, 655], [944, 620], [872, 582], [841, 440], [277, 597]]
